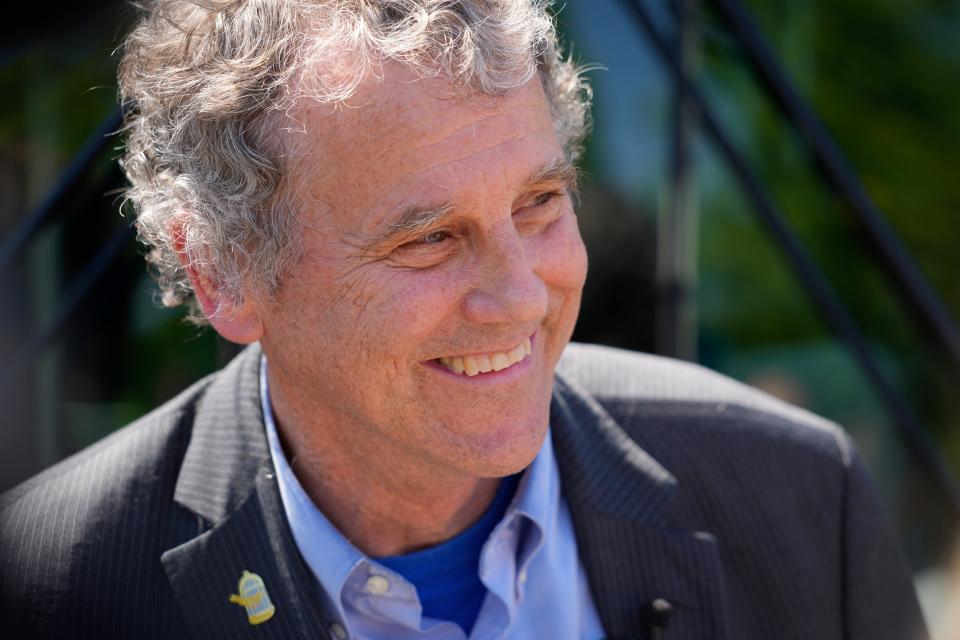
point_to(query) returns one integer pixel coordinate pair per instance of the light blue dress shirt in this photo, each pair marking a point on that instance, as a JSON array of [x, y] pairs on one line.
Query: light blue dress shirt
[[536, 585]]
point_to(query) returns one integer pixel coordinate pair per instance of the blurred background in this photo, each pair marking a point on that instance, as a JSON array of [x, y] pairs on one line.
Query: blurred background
[[770, 191]]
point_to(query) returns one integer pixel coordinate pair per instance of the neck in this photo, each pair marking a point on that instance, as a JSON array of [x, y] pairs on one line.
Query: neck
[[380, 497]]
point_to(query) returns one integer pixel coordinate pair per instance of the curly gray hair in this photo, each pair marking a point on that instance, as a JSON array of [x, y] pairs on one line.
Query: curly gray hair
[[205, 83]]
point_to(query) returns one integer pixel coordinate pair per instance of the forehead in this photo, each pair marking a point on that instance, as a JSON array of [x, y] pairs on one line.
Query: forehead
[[401, 137]]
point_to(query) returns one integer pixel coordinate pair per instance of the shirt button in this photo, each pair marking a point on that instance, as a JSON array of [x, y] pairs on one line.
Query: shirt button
[[523, 576], [377, 585], [338, 631]]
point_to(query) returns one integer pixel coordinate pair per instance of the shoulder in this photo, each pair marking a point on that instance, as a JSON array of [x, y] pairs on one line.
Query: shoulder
[[86, 525], [629, 380], [781, 491], [699, 423], [152, 440], [617, 375]]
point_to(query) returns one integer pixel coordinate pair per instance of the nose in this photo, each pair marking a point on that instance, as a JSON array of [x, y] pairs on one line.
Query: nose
[[509, 290]]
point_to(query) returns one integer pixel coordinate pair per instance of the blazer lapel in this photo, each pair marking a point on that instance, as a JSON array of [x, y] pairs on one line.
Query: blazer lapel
[[227, 480], [619, 499]]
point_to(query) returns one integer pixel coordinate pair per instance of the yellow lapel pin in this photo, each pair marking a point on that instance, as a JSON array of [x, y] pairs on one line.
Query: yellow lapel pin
[[253, 597]]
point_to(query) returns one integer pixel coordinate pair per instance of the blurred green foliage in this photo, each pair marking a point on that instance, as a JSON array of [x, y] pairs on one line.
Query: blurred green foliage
[[884, 78]]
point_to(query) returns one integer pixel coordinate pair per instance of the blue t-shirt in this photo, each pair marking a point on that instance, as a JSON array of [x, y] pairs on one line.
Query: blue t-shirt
[[447, 576]]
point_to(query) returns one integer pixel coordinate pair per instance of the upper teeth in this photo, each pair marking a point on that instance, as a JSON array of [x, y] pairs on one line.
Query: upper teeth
[[472, 365]]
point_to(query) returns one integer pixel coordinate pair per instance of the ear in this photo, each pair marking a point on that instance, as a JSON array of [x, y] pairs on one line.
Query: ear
[[236, 323]]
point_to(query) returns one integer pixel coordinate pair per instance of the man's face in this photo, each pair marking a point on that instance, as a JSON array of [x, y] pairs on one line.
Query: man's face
[[438, 234]]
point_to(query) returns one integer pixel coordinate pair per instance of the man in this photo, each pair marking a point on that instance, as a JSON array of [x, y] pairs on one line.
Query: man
[[376, 196]]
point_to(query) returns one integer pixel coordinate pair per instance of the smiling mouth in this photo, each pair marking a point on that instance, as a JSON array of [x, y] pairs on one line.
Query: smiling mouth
[[487, 362]]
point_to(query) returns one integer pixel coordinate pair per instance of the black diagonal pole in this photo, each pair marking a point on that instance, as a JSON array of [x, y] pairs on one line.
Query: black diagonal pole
[[909, 280], [65, 189], [80, 287], [676, 323], [806, 270]]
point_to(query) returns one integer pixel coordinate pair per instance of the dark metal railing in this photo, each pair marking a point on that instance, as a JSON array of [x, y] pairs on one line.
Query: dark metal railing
[[63, 193], [803, 265], [75, 293], [676, 269], [919, 296]]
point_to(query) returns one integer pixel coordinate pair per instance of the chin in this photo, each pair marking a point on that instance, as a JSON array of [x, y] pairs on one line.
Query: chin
[[513, 452]]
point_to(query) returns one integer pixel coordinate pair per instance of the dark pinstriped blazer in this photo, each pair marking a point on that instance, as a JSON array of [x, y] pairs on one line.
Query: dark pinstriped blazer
[[754, 519]]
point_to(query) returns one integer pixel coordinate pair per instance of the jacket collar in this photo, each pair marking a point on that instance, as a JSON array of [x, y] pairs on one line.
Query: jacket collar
[[227, 480], [594, 454], [620, 501], [228, 444]]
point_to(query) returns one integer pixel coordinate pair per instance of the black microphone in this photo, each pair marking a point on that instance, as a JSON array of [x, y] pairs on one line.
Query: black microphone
[[660, 612]]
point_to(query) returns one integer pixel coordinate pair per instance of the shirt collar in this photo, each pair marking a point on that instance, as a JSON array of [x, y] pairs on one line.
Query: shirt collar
[[336, 562], [537, 502]]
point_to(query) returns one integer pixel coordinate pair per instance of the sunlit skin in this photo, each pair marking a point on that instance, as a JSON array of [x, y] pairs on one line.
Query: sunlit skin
[[434, 225]]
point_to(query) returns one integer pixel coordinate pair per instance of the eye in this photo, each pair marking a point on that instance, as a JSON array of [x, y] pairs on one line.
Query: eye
[[435, 237], [543, 203], [430, 240], [544, 198], [539, 212]]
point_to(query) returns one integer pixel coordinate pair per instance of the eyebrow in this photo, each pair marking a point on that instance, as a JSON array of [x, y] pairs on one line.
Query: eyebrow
[[416, 218], [559, 170]]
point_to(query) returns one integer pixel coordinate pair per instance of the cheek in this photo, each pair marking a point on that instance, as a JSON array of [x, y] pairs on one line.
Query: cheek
[[561, 256], [420, 296], [389, 314], [321, 315]]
